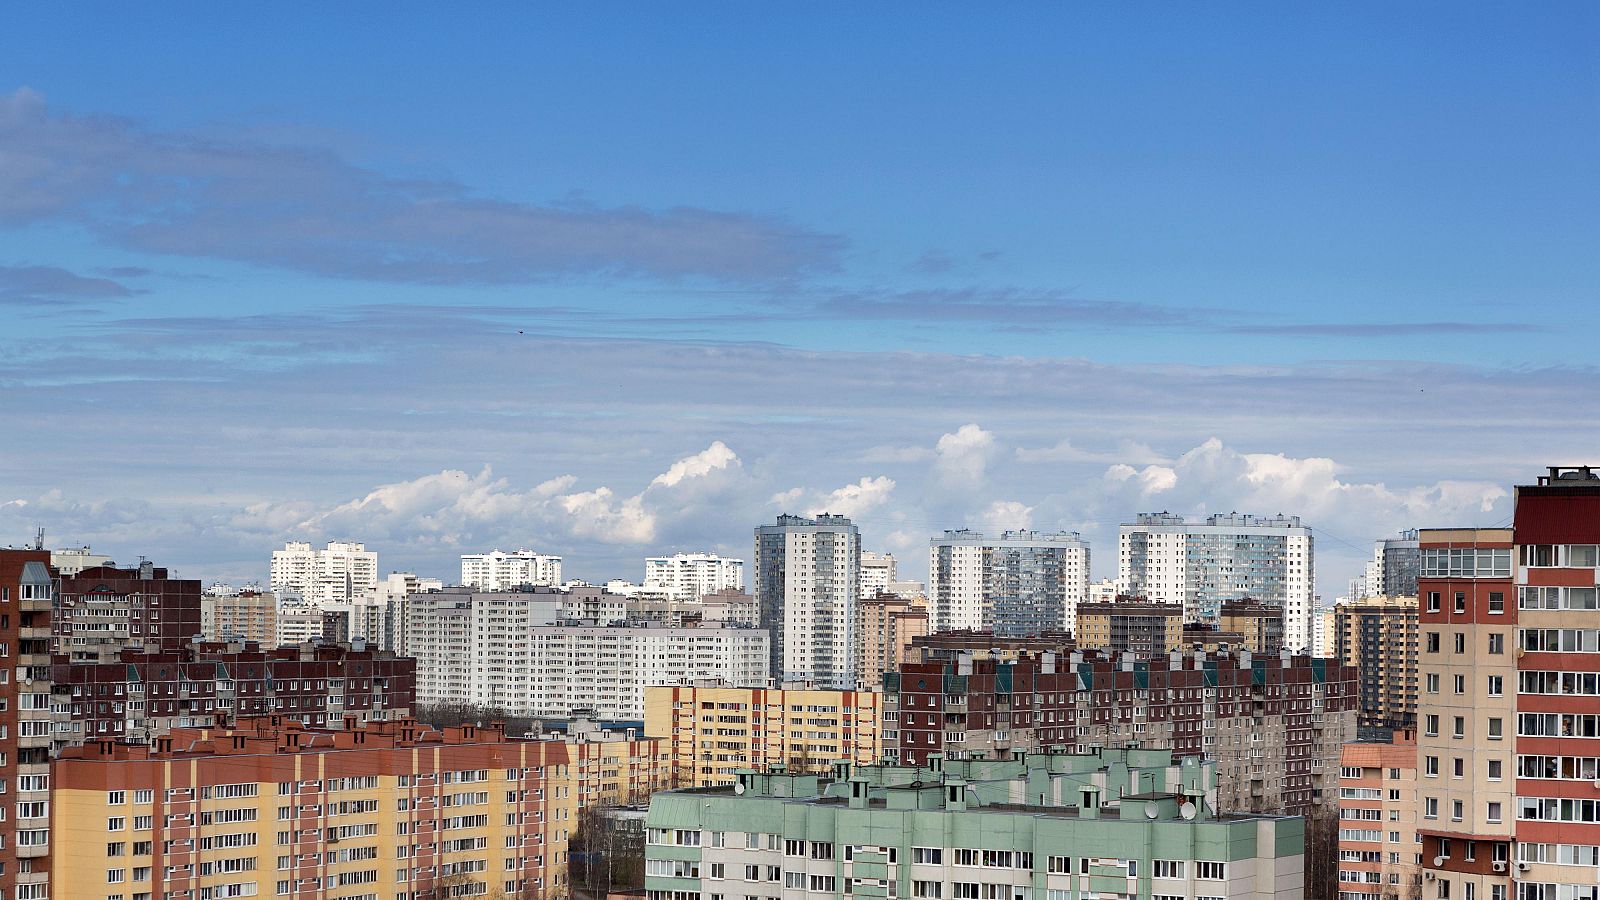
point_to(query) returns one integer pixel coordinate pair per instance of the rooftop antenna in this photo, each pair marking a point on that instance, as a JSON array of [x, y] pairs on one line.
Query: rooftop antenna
[[38, 542]]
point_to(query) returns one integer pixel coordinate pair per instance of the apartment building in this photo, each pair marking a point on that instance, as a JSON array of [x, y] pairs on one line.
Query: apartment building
[[27, 722], [498, 570], [1467, 667], [1392, 572], [1274, 723], [715, 730], [475, 650], [1020, 583], [141, 695], [885, 627], [806, 583], [391, 809], [878, 571], [1063, 827], [243, 615], [1261, 625], [1228, 557], [1378, 637], [102, 609], [613, 766], [1557, 688], [332, 574], [690, 576], [1129, 625], [1380, 852]]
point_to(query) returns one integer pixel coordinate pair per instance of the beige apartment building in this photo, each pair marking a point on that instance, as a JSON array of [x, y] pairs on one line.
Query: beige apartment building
[[1378, 635], [1380, 853], [885, 628], [714, 730], [247, 616]]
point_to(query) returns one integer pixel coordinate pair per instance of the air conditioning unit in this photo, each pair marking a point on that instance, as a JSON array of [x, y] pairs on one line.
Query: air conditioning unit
[[1523, 867], [1429, 876], [1499, 866], [1438, 861]]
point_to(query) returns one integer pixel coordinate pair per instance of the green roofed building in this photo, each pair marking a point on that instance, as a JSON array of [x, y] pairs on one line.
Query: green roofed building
[[1103, 825]]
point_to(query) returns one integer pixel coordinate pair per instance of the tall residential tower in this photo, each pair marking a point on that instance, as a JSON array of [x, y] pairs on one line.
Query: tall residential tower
[[1232, 556], [1020, 583], [806, 584]]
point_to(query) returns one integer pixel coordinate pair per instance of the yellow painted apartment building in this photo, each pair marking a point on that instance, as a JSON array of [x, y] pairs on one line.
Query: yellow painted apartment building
[[715, 730], [389, 810]]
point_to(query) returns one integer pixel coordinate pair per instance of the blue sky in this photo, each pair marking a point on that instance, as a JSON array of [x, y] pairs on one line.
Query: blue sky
[[307, 272]]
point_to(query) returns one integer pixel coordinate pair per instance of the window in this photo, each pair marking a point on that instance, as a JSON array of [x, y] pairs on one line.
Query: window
[[1495, 768], [1461, 642], [1496, 730], [1350, 772], [928, 889], [1461, 684], [1166, 868], [1460, 730], [1460, 767], [794, 848], [1210, 871], [1060, 865], [1497, 643], [1493, 812], [1433, 642], [1497, 685], [933, 856], [964, 890], [1433, 601], [1432, 682], [1461, 601], [1430, 808], [1497, 602], [794, 880], [1457, 810], [1430, 725]]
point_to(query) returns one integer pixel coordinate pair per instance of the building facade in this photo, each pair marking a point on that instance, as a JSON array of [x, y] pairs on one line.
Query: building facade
[[1467, 666], [1378, 637], [489, 651], [1380, 852], [269, 808], [103, 609], [878, 571], [142, 695], [1275, 724], [1392, 572], [1021, 583], [1229, 557], [244, 615], [886, 625], [498, 570], [959, 830], [690, 576], [333, 574], [1129, 625], [27, 722], [715, 730], [806, 583]]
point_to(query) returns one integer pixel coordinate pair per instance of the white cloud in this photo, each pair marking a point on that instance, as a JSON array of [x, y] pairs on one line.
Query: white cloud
[[1150, 479], [1005, 515], [596, 514], [717, 456], [857, 499], [787, 499], [963, 455]]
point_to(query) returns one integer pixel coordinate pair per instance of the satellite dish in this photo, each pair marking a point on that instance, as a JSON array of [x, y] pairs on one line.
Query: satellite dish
[[738, 788], [1188, 811], [1152, 809]]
